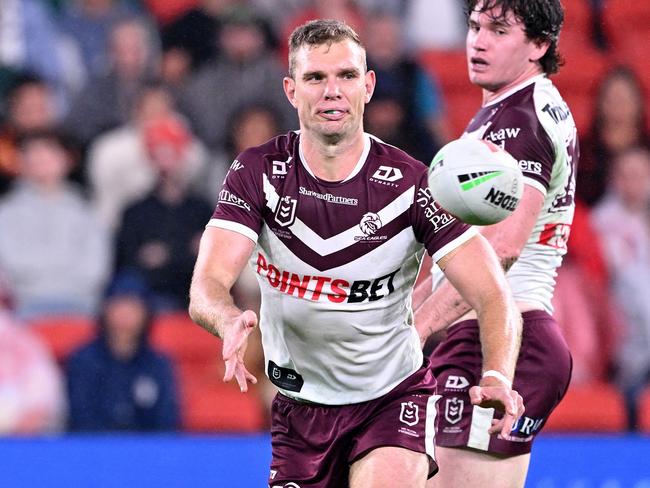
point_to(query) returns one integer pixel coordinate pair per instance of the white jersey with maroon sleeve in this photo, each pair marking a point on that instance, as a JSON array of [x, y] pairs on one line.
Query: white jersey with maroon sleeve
[[534, 124], [336, 262]]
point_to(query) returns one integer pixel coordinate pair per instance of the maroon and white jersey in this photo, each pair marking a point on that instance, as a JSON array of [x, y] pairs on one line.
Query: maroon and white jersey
[[336, 262], [534, 124]]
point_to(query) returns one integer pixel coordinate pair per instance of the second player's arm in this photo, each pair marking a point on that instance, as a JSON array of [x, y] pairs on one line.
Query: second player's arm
[[474, 270], [439, 309]]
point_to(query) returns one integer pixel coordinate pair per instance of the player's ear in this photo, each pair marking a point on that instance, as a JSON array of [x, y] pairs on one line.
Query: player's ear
[[289, 85], [371, 81], [539, 50]]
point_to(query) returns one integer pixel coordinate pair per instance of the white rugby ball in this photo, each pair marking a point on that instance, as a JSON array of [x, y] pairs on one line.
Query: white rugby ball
[[476, 181]]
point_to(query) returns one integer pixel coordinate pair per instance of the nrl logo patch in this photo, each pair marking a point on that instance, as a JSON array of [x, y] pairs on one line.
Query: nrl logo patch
[[285, 213], [409, 413], [454, 410]]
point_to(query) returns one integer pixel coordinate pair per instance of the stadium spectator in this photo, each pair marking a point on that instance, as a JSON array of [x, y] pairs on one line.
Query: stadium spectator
[[119, 168], [442, 27], [90, 23], [582, 305], [195, 35], [107, 99], [619, 122], [244, 73], [347, 11], [159, 234], [419, 114], [31, 106], [119, 381], [32, 42], [512, 50], [53, 250], [32, 395], [336, 281], [623, 221], [251, 125]]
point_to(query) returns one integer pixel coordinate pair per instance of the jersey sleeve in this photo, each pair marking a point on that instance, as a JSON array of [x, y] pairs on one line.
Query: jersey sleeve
[[240, 203], [438, 230], [523, 136]]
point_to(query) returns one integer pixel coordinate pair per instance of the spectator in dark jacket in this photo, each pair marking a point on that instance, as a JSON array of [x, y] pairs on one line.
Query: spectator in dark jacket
[[119, 381]]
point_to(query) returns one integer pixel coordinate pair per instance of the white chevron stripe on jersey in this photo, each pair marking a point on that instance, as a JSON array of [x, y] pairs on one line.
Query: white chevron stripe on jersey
[[346, 238]]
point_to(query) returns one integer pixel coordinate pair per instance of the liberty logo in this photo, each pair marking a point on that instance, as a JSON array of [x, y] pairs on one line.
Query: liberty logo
[[285, 213], [454, 410], [409, 414]]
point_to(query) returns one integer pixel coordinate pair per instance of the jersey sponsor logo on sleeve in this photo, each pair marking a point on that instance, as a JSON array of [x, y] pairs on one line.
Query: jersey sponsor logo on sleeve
[[228, 198], [433, 213], [555, 235], [530, 166], [387, 175], [325, 288], [236, 165], [503, 134], [557, 113]]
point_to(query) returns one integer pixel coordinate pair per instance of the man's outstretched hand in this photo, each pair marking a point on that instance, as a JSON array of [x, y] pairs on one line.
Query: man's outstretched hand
[[235, 340]]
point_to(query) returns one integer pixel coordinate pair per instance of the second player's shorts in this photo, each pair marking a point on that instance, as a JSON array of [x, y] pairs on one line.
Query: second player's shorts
[[541, 377], [314, 445]]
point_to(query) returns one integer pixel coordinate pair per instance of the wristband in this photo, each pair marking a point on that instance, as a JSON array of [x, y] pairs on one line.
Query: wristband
[[498, 375]]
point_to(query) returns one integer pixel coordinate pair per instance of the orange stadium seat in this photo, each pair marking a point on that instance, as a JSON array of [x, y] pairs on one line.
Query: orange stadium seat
[[644, 410], [210, 405], [593, 407], [577, 23], [462, 100], [64, 334], [183, 340], [626, 23]]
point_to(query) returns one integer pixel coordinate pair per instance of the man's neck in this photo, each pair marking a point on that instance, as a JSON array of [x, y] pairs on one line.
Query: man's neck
[[490, 96], [332, 162]]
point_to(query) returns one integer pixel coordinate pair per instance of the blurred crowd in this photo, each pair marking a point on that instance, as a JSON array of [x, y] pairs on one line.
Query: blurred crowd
[[120, 119]]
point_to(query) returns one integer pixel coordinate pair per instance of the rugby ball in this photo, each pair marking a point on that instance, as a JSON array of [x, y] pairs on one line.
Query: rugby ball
[[476, 181]]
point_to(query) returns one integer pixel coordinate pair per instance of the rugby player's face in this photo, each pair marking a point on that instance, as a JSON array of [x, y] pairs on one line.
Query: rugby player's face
[[330, 88], [499, 55]]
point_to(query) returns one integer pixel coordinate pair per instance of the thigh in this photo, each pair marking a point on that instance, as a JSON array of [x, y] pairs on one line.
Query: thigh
[[541, 377], [475, 469], [390, 467], [403, 419]]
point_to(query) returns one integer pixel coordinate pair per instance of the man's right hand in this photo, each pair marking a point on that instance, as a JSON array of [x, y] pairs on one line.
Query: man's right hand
[[235, 340]]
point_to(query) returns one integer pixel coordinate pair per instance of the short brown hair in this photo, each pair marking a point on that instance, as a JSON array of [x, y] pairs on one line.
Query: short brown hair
[[316, 33]]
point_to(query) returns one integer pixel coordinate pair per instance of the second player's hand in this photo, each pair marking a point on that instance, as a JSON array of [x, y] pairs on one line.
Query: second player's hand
[[501, 398], [235, 339]]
